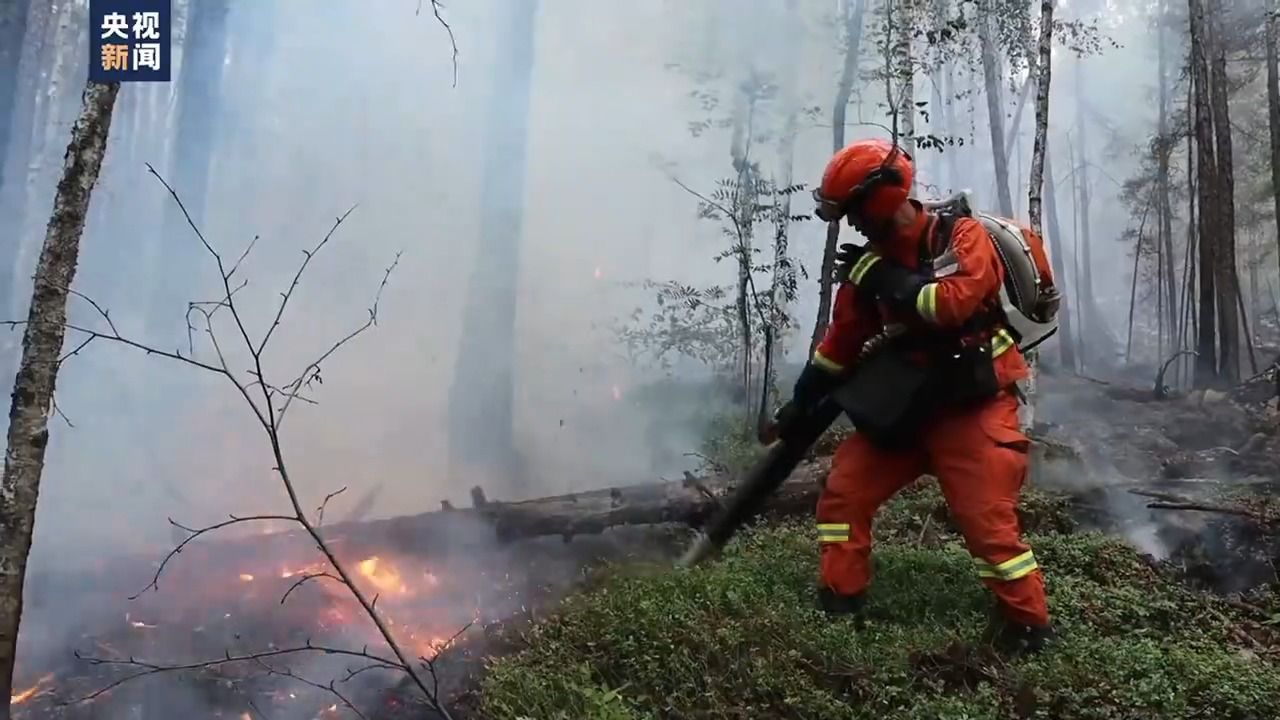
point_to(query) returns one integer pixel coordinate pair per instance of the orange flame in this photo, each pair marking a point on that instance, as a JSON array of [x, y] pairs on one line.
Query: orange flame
[[246, 577], [37, 689], [384, 576]]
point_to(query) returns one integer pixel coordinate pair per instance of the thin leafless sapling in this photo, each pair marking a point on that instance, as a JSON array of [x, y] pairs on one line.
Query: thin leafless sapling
[[270, 403]]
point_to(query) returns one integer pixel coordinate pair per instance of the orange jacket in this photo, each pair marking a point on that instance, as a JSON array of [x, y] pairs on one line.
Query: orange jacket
[[954, 294]]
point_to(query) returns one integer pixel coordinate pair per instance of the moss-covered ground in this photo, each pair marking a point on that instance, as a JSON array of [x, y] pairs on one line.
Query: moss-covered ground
[[741, 638]]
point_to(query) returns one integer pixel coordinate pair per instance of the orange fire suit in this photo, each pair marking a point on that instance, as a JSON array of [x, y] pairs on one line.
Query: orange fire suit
[[978, 453]]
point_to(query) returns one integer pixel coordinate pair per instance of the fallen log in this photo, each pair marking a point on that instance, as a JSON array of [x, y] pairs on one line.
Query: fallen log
[[687, 502]]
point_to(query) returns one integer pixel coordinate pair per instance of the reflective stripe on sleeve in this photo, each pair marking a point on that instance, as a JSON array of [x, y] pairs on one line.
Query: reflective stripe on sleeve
[[1001, 341], [826, 363], [833, 532], [861, 267], [927, 303]]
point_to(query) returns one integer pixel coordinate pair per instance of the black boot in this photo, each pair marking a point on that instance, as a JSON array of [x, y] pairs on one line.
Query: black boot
[[834, 603], [1017, 639]]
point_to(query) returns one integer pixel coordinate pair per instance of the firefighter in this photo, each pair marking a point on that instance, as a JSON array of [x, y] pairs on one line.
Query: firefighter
[[938, 279]]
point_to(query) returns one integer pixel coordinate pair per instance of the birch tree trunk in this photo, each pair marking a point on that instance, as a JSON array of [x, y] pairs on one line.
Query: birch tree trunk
[[1043, 70], [37, 374], [854, 11], [995, 111]]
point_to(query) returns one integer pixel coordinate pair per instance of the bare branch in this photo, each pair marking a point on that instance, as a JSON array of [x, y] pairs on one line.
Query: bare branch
[[270, 420], [309, 576], [145, 668], [53, 401], [329, 688], [195, 533], [297, 277], [243, 255], [312, 371], [436, 8], [325, 503], [76, 351]]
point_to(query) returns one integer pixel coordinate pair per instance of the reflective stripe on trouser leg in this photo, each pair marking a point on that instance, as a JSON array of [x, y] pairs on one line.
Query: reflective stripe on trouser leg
[[1012, 569], [862, 478], [833, 532], [981, 466]]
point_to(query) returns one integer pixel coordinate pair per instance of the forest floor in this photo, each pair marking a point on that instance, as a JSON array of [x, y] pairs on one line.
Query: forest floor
[[1166, 601]]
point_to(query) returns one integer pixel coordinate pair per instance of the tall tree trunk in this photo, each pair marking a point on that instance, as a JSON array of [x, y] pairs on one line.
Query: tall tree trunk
[[1043, 70], [1164, 148], [745, 199], [1035, 183], [950, 154], [853, 10], [782, 276], [905, 72], [995, 109], [1093, 325], [1187, 319], [51, 66], [200, 99], [1206, 189], [1057, 248], [481, 414], [13, 28], [37, 374], [1273, 107], [18, 72], [1226, 276]]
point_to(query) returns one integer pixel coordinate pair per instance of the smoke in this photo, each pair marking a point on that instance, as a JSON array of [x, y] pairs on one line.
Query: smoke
[[324, 107]]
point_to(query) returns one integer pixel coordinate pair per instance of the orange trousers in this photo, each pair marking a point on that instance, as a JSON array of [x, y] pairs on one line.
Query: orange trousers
[[979, 456]]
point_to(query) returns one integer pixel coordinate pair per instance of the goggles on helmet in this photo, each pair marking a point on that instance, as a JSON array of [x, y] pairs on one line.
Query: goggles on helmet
[[826, 209]]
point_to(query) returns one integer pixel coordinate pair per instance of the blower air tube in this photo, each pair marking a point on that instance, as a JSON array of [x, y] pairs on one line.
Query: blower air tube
[[762, 481]]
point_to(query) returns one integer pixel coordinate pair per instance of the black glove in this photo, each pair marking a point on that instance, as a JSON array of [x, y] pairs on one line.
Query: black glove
[[812, 386], [892, 283], [846, 257]]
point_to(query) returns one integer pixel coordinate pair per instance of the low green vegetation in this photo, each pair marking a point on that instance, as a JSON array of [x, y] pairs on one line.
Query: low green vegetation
[[741, 638]]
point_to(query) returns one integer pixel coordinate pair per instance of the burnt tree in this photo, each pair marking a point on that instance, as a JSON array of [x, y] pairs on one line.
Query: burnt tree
[[1208, 221], [37, 373], [1226, 279], [1163, 147], [1273, 107]]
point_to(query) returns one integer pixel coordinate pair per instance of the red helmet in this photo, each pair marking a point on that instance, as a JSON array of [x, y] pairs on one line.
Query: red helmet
[[866, 181]]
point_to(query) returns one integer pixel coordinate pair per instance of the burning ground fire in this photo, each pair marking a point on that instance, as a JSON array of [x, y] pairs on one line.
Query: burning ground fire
[[210, 606]]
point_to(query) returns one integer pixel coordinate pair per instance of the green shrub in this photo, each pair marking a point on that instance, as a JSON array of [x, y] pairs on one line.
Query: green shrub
[[741, 638]]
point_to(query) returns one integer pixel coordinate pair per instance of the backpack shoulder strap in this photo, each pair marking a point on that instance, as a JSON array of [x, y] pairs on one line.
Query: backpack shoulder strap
[[939, 240]]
